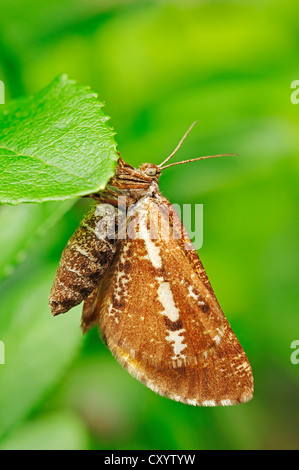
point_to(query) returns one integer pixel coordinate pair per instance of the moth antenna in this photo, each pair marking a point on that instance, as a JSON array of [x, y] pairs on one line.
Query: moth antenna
[[199, 158], [179, 144]]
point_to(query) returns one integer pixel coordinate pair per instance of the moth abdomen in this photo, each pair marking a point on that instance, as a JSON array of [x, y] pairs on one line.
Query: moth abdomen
[[84, 260]]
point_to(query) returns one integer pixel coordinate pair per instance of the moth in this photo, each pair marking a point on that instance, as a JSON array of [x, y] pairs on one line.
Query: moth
[[149, 294]]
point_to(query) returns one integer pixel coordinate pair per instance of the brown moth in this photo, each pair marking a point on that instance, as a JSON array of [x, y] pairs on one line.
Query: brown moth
[[148, 293]]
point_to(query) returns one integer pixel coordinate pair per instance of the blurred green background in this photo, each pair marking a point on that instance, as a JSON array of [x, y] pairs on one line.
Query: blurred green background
[[159, 66]]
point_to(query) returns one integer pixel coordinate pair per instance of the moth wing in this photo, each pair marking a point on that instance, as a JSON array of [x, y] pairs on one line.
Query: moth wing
[[84, 260], [160, 318]]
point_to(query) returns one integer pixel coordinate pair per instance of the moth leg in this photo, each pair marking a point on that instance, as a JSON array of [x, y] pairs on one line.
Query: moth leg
[[90, 312]]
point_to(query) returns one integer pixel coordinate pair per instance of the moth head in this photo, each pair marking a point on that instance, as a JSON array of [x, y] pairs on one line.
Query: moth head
[[150, 170]]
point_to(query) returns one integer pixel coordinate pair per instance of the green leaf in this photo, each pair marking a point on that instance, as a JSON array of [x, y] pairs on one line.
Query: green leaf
[[55, 145]]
